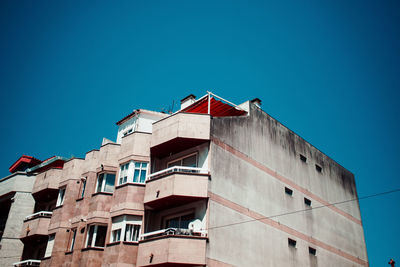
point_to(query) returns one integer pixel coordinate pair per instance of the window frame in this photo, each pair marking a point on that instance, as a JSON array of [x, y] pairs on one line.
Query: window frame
[[61, 196], [178, 214], [127, 174], [72, 239], [182, 158], [121, 223], [94, 237], [104, 182], [82, 188], [49, 249]]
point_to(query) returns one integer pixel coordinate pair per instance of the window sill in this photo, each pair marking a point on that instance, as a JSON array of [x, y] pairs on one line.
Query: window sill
[[130, 184], [93, 248], [79, 199], [113, 244], [102, 193], [45, 258], [69, 252], [131, 243], [58, 207]]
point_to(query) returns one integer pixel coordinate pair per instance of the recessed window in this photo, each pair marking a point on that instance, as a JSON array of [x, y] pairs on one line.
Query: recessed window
[[126, 227], [307, 201], [179, 221], [288, 191], [312, 251], [133, 172], [96, 236], [50, 245], [318, 168], [72, 240], [61, 195], [105, 182], [292, 242], [83, 187], [303, 158], [187, 161]]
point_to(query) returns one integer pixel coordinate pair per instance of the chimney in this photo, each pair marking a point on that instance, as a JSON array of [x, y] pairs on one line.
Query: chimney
[[257, 102], [187, 101]]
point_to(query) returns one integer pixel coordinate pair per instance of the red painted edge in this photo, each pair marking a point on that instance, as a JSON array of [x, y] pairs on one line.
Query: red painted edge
[[261, 218], [24, 159]]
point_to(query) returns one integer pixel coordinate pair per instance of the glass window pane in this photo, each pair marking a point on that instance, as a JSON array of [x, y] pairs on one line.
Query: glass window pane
[[190, 161], [174, 163], [137, 164], [110, 180], [90, 236], [100, 182], [142, 176], [101, 236], [136, 176], [173, 223]]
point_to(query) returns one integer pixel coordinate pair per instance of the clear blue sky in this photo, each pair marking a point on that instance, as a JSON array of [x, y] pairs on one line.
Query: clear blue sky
[[329, 70]]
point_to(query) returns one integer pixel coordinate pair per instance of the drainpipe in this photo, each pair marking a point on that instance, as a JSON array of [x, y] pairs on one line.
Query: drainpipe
[[209, 102]]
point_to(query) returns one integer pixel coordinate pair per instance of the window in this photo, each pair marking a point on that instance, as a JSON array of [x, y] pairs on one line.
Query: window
[[288, 191], [312, 251], [187, 161], [133, 172], [292, 242], [83, 187], [179, 221], [128, 132], [303, 158], [126, 226], [72, 240], [50, 245], [116, 235], [318, 168], [307, 201], [61, 194], [96, 236], [105, 182]]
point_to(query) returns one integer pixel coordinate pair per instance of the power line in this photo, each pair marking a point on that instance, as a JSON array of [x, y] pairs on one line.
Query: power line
[[303, 210]]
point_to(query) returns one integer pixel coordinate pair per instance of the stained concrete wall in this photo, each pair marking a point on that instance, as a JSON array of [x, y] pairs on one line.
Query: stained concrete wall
[[253, 159], [20, 185]]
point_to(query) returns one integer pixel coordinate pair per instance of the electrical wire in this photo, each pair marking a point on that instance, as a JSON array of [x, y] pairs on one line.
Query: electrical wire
[[304, 210]]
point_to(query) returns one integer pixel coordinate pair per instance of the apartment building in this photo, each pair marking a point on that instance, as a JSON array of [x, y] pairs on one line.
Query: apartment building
[[17, 204], [206, 186]]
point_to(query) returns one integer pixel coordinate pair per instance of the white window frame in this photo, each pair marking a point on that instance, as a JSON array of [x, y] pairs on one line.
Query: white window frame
[[50, 245], [94, 237], [103, 182], [61, 196], [128, 170], [121, 223], [182, 158]]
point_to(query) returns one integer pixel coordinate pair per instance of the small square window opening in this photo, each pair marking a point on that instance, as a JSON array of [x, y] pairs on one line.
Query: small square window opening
[[312, 251], [318, 168], [303, 158], [288, 191], [307, 201], [292, 242]]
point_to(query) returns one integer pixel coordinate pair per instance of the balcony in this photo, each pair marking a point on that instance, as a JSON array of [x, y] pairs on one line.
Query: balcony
[[172, 247], [175, 186], [179, 132], [27, 263], [36, 224]]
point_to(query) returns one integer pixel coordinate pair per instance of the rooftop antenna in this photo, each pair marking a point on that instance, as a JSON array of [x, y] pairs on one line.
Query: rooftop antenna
[[170, 108]]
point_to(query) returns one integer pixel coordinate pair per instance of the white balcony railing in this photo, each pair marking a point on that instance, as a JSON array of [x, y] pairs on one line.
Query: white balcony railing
[[173, 231], [46, 214], [28, 263], [173, 169]]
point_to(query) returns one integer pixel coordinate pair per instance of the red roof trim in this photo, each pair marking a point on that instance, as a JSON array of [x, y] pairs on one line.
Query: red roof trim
[[24, 159]]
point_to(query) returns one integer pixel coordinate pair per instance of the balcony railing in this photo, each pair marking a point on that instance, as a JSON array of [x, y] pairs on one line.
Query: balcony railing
[[174, 169], [172, 232], [40, 214], [27, 263]]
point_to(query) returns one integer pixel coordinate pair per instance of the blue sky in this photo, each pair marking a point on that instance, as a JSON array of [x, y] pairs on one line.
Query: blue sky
[[329, 70]]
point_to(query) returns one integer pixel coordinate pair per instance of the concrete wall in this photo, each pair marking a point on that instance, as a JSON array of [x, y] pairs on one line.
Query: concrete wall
[[22, 204], [252, 160]]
